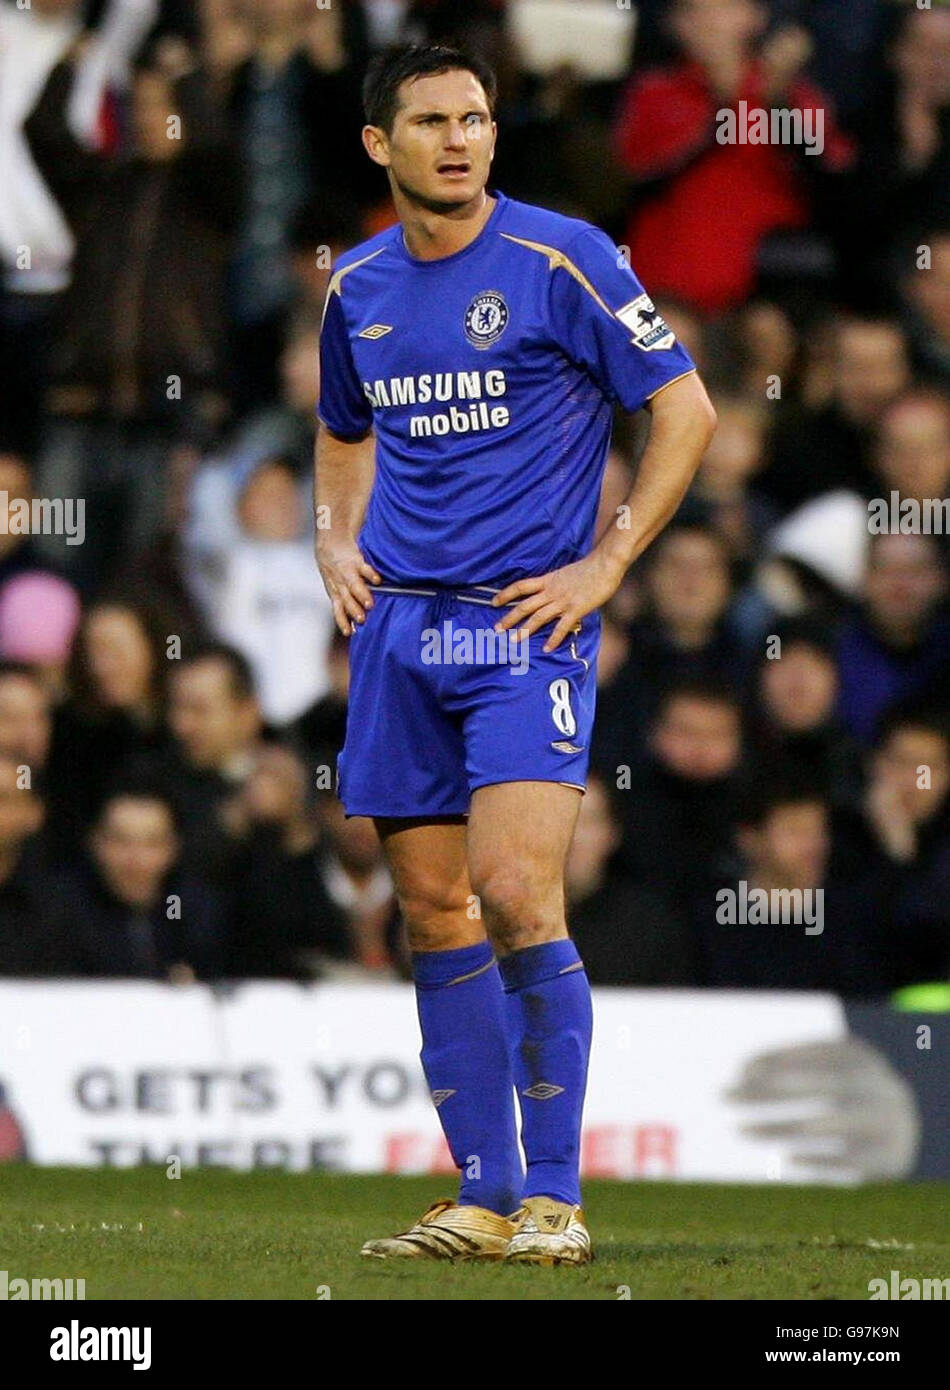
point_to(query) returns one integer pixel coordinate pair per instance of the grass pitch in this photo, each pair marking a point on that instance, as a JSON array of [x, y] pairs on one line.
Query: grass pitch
[[221, 1235]]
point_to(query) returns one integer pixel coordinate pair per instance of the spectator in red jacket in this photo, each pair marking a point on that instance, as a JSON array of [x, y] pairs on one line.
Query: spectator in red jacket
[[705, 206]]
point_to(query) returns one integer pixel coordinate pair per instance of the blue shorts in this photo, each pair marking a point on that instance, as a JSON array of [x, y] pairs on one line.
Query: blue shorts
[[440, 704]]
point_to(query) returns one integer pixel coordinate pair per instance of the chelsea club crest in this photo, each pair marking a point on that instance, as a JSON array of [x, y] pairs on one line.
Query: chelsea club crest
[[486, 318]]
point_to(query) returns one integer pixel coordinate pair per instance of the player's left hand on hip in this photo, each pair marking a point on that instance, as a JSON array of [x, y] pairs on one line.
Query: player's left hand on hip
[[562, 597]]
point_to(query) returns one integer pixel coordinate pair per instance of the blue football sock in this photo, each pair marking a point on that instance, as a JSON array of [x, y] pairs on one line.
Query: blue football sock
[[466, 1061], [549, 1031]]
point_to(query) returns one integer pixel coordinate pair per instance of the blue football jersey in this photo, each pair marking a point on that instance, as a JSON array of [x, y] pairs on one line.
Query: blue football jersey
[[489, 378]]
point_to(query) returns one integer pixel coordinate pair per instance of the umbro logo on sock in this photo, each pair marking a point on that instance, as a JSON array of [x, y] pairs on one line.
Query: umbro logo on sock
[[542, 1090], [439, 1096]]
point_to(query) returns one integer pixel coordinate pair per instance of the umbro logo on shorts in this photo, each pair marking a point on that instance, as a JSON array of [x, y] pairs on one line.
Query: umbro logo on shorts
[[562, 746], [376, 330], [439, 1096]]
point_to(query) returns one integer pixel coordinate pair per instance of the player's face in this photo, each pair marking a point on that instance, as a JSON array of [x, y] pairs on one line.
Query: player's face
[[440, 148]]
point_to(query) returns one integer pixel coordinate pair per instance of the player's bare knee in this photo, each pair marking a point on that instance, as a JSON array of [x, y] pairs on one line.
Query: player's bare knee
[[517, 912], [437, 921]]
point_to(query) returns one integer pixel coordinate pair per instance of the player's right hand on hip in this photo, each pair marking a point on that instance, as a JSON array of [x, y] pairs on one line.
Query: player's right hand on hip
[[346, 578]]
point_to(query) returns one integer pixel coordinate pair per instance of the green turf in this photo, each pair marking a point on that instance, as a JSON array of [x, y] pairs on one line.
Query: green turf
[[215, 1234]]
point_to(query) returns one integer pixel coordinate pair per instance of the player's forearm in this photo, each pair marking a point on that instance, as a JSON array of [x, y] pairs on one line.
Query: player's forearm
[[343, 480], [682, 426]]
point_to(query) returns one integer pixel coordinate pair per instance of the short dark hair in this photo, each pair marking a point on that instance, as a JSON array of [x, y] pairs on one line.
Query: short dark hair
[[22, 670], [708, 690], [774, 786], [808, 630], [393, 66], [689, 525], [913, 713], [240, 671], [141, 785]]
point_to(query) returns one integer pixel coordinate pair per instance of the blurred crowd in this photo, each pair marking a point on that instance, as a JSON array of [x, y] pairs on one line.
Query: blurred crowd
[[178, 177]]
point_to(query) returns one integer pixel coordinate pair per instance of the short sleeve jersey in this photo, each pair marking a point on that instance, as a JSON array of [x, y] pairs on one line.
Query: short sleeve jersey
[[489, 379]]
